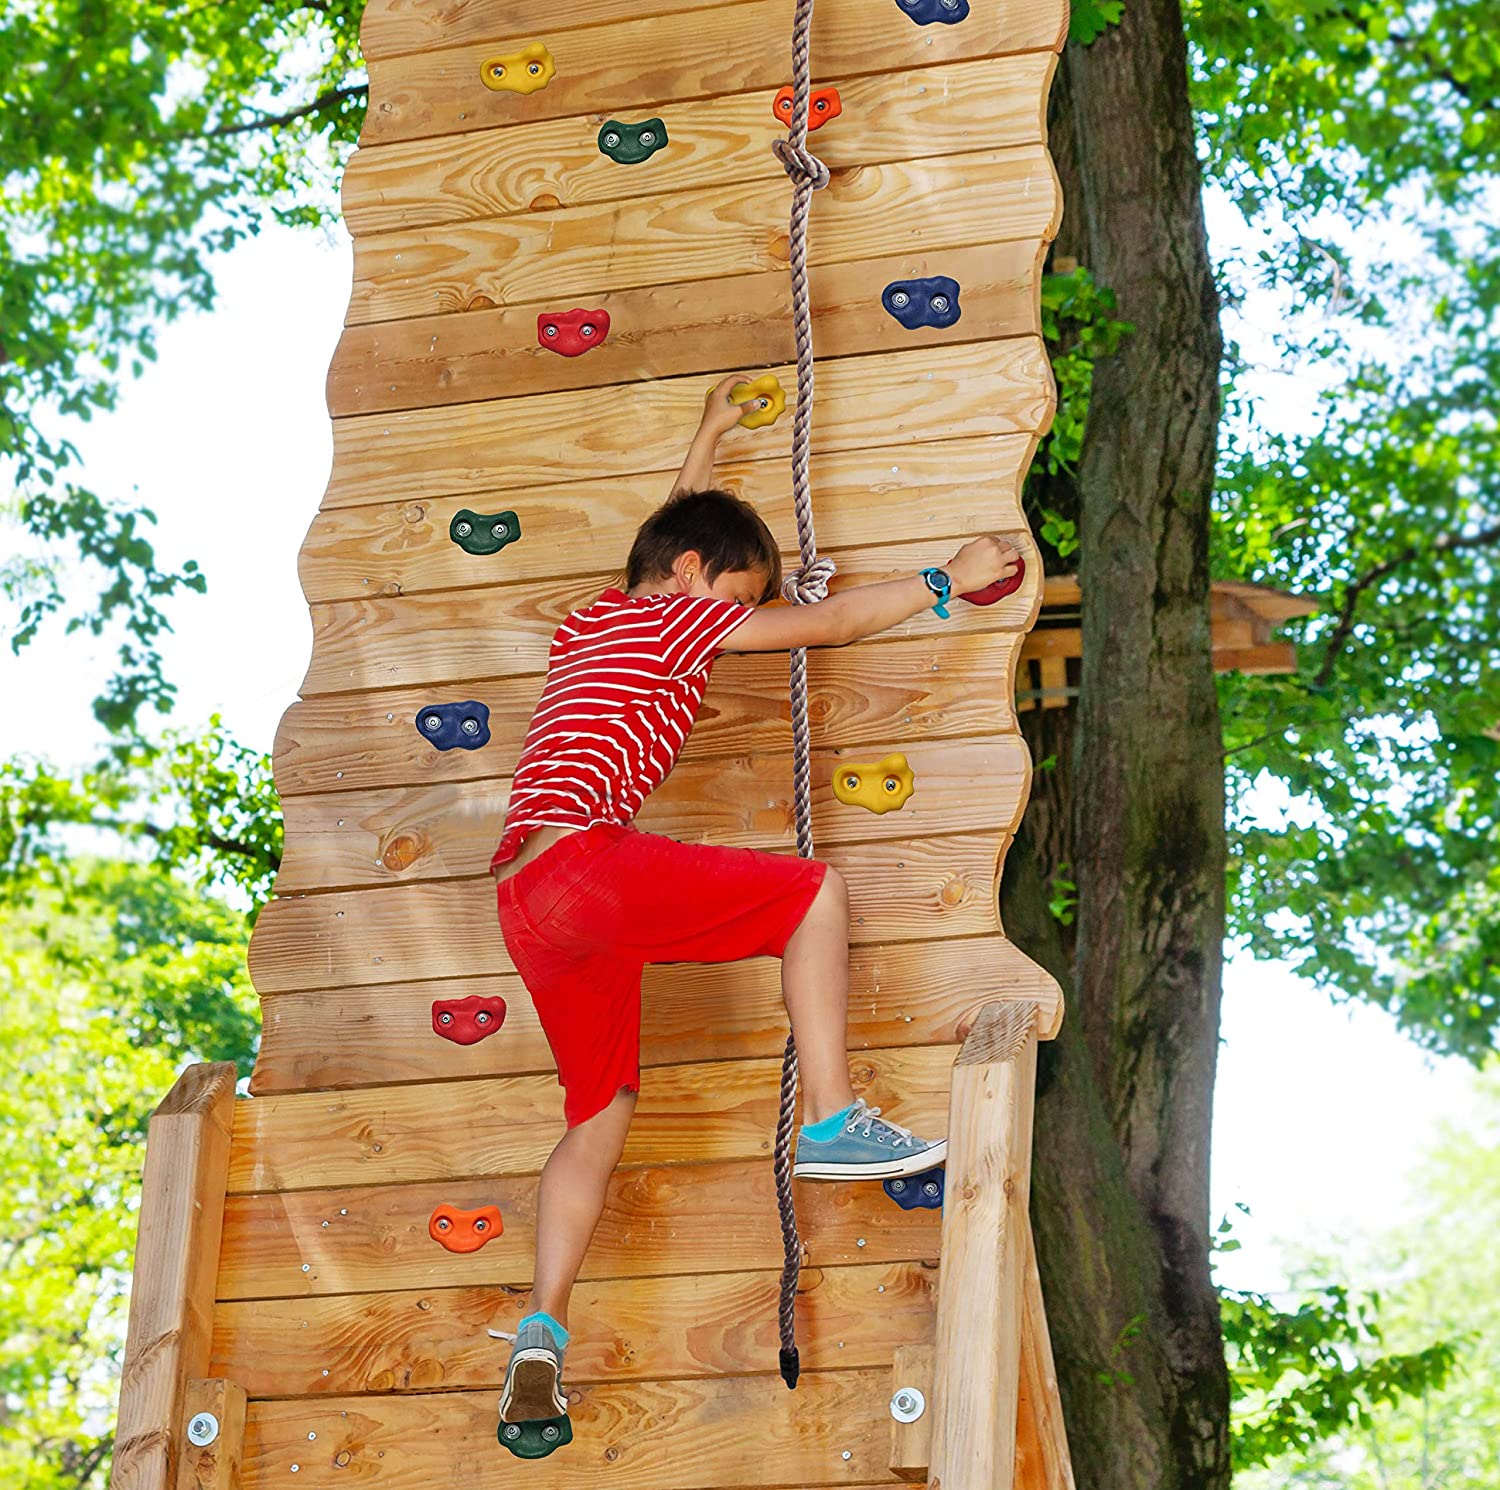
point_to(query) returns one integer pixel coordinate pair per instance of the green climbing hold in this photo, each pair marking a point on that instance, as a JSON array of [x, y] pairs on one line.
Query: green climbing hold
[[484, 533], [536, 1439], [630, 144]]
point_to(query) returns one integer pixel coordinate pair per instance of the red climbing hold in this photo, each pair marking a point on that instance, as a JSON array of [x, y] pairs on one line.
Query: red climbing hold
[[467, 1021], [823, 104], [571, 333], [999, 590], [464, 1231]]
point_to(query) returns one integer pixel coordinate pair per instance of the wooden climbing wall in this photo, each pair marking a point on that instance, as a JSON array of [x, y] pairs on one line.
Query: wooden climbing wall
[[360, 1342]]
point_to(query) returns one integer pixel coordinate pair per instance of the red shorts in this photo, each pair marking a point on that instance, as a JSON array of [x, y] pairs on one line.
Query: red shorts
[[583, 919]]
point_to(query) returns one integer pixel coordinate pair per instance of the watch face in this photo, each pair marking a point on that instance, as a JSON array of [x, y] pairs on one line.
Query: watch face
[[937, 580]]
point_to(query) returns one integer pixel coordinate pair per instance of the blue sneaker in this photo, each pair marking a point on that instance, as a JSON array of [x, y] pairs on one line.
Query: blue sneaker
[[864, 1146]]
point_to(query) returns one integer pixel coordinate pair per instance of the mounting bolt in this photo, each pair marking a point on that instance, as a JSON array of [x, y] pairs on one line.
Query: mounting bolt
[[203, 1428], [908, 1405]]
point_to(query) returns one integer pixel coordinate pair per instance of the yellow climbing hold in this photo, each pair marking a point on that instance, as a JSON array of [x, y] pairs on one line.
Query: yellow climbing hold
[[767, 400], [883, 787], [519, 72]]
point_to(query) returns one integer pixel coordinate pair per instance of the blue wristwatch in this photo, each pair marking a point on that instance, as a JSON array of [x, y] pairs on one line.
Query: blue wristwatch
[[941, 586]]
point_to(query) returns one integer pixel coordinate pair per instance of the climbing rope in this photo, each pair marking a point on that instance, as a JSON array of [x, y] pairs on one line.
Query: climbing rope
[[810, 583]]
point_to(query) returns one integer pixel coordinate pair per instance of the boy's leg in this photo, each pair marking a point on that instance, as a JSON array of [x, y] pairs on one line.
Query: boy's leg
[[815, 986], [570, 1200]]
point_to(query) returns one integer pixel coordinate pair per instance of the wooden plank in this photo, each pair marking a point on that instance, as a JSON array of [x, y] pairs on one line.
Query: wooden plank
[[947, 202], [989, 388], [214, 1465], [670, 1435], [906, 994], [670, 330], [632, 66], [446, 638], [977, 1344], [699, 1218], [631, 1329], [508, 1125], [1042, 1457], [902, 889], [171, 1298], [714, 142], [389, 28], [946, 489], [911, 1372], [343, 840]]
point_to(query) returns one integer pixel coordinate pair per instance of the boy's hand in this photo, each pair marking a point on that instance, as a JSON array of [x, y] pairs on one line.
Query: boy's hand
[[982, 562], [719, 415]]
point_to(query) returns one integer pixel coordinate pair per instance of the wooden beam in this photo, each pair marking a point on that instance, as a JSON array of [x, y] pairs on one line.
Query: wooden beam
[[714, 142], [214, 1465], [176, 1254], [515, 444], [510, 1124], [978, 1338], [917, 993], [450, 636], [911, 1439], [742, 1431], [624, 1329], [657, 1222], [344, 840], [948, 202], [940, 491], [626, 66]]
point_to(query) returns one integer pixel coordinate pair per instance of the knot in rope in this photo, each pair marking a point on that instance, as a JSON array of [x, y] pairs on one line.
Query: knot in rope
[[810, 584], [801, 164]]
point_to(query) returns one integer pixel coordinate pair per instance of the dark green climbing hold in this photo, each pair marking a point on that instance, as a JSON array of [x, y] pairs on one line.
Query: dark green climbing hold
[[630, 144], [484, 533], [536, 1439]]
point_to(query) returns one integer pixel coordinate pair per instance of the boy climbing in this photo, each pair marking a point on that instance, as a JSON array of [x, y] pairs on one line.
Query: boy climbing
[[586, 899]]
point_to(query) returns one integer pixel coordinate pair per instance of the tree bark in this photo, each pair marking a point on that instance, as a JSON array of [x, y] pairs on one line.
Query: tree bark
[[1136, 802]]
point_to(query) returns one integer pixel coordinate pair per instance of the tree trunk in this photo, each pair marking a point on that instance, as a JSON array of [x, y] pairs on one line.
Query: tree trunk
[[1120, 1196]]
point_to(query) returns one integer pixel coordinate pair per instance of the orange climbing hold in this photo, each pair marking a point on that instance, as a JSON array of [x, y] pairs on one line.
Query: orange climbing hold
[[823, 104], [519, 72], [464, 1231], [766, 397]]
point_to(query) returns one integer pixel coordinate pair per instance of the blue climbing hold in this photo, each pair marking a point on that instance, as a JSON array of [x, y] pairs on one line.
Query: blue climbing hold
[[464, 726], [917, 1192], [923, 302], [935, 12]]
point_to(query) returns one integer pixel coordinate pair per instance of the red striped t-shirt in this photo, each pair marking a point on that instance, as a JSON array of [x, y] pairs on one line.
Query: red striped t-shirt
[[625, 677]]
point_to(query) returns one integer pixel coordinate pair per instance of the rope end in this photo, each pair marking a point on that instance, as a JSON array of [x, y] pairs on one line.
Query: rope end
[[790, 1367]]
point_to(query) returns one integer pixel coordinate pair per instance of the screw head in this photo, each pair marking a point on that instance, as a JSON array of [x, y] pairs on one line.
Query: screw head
[[648, 137], [611, 139], [908, 1404], [550, 1433], [940, 303], [432, 723], [470, 726], [900, 299], [202, 1429], [512, 1431]]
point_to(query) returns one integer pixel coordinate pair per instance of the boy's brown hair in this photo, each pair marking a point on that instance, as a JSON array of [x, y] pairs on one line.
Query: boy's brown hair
[[725, 530]]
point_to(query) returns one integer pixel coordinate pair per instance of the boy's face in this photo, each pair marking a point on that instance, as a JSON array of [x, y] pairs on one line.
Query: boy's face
[[745, 586]]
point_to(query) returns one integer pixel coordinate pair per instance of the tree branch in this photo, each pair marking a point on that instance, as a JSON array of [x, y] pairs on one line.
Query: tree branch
[[1345, 625], [324, 101]]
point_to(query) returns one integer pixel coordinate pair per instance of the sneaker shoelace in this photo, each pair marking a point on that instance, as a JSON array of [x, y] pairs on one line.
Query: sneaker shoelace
[[871, 1118]]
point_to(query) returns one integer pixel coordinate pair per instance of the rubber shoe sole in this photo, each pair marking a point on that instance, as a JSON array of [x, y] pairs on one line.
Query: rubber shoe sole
[[531, 1390], [911, 1162]]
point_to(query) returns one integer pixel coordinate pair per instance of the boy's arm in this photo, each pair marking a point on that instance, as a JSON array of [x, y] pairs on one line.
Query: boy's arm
[[868, 609], [719, 416]]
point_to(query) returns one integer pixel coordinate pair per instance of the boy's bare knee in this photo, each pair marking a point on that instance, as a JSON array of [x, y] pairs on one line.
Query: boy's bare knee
[[833, 893]]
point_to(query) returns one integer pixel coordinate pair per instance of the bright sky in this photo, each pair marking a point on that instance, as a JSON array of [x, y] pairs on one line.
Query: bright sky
[[1320, 1112]]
